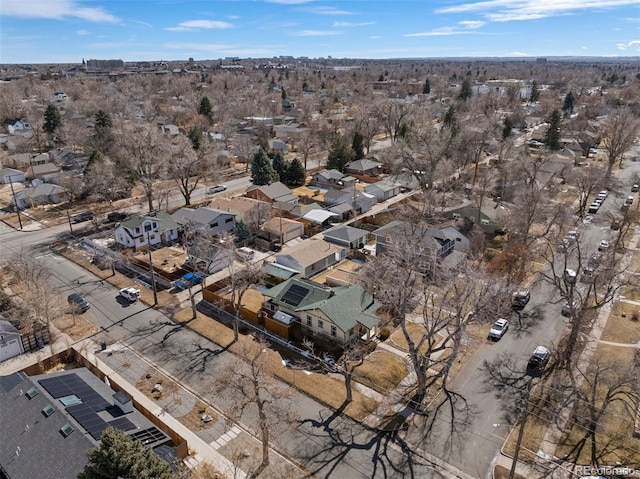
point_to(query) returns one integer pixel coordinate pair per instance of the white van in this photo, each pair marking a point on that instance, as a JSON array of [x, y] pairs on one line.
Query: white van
[[245, 253], [130, 294]]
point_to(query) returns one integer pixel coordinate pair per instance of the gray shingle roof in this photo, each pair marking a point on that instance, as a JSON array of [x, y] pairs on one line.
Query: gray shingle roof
[[201, 216], [346, 233]]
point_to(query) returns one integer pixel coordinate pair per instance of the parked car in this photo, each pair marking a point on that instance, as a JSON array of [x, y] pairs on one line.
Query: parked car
[[216, 189], [603, 246], [570, 276], [498, 329], [567, 308], [130, 294], [604, 193], [82, 217], [572, 235], [629, 200], [520, 299], [78, 303], [588, 273], [635, 188], [595, 260], [116, 216], [594, 207], [539, 358]]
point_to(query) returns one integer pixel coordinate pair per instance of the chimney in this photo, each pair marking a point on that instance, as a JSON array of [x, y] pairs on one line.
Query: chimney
[[123, 401]]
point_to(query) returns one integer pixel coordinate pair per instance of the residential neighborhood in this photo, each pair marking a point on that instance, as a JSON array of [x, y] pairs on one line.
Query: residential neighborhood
[[432, 268]]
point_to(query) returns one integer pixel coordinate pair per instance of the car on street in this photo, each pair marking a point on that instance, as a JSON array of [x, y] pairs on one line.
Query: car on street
[[570, 276], [603, 246], [78, 303], [539, 358], [82, 217], [603, 193], [635, 188], [520, 298], [116, 216], [567, 308], [216, 189], [595, 260], [629, 200], [572, 235], [130, 294], [588, 273], [498, 329], [593, 208]]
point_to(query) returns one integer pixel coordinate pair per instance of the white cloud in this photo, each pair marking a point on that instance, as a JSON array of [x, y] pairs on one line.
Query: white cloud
[[375, 37], [82, 32], [514, 10], [204, 24], [441, 32], [144, 24], [318, 33], [329, 11], [57, 10], [472, 23], [351, 24]]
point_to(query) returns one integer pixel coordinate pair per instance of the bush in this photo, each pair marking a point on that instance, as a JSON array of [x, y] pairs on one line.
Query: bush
[[635, 316], [384, 334]]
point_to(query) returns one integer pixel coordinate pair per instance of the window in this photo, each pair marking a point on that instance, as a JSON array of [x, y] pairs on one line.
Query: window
[[334, 331], [309, 321], [66, 430], [228, 220], [147, 227], [456, 215], [352, 332], [137, 230], [48, 410], [31, 393], [484, 222], [320, 324], [70, 400], [214, 225]]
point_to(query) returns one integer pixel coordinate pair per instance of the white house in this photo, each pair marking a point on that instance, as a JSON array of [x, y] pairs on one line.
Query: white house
[[43, 194], [59, 96], [16, 125], [10, 342], [140, 231]]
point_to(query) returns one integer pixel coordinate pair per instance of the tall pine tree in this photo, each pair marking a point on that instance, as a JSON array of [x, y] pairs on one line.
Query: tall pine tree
[[296, 174], [262, 170], [52, 119], [357, 145], [552, 135]]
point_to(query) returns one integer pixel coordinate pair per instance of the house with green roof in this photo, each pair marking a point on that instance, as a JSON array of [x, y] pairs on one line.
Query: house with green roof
[[327, 315], [153, 229]]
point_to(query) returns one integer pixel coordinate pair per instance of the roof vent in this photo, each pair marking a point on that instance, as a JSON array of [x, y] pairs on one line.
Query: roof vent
[[31, 393]]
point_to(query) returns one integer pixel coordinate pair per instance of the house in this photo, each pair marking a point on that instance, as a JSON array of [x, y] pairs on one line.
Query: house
[[16, 125], [363, 202], [319, 217], [283, 230], [310, 257], [274, 193], [43, 194], [492, 216], [59, 96], [334, 316], [50, 422], [299, 210], [11, 175], [383, 190], [347, 236], [140, 231], [248, 210], [205, 220], [10, 340], [35, 172], [333, 178], [432, 245], [343, 211], [278, 146], [364, 167], [208, 257]]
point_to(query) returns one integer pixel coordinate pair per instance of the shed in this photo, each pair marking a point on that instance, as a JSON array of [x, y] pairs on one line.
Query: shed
[[10, 343]]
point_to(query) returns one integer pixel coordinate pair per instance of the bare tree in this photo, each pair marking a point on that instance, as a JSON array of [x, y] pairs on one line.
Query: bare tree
[[587, 180], [393, 115], [250, 386], [189, 166], [243, 274], [619, 131]]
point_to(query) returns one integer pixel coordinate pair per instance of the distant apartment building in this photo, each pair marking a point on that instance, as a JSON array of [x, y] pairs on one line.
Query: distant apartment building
[[101, 65]]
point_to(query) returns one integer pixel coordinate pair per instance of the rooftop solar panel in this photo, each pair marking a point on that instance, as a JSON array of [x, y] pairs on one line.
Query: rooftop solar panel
[[122, 423], [150, 437], [295, 294], [88, 419]]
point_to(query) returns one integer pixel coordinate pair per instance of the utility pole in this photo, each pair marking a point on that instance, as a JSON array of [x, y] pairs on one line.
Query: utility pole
[[67, 208], [153, 276], [516, 453], [15, 203]]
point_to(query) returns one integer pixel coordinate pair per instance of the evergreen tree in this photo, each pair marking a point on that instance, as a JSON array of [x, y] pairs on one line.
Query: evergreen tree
[[340, 154], [121, 456], [205, 107], [450, 120], [95, 158], [552, 135], [280, 165], [262, 170], [284, 94], [535, 93], [296, 174], [103, 119], [465, 90], [507, 127], [357, 145], [243, 232], [569, 100], [427, 87], [52, 119], [102, 131], [195, 135]]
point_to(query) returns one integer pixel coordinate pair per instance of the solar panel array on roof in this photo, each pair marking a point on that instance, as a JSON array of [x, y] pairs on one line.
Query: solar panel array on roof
[[122, 423], [295, 294], [88, 419], [69, 384]]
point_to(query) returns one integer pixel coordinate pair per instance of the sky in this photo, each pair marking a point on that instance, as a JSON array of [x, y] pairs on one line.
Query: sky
[[67, 31]]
